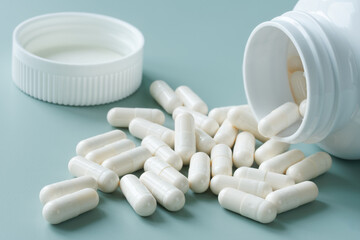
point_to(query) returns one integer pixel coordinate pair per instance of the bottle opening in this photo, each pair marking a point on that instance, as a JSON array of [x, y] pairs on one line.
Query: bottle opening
[[274, 73]]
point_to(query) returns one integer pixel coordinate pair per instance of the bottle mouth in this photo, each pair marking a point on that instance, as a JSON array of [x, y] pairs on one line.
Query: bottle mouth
[[266, 76]]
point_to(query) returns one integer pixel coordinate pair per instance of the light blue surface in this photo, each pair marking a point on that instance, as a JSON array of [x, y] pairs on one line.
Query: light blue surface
[[195, 43]]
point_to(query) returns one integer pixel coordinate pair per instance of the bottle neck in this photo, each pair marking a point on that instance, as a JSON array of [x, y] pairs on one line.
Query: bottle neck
[[266, 75]]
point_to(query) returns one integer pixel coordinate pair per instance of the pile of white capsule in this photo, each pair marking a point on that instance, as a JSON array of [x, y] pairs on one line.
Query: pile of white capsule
[[209, 143]]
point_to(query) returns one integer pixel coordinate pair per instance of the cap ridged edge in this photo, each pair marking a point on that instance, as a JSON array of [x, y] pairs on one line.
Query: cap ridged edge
[[80, 90]]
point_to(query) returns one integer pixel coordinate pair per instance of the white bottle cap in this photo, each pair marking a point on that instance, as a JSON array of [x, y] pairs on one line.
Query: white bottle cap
[[77, 58]]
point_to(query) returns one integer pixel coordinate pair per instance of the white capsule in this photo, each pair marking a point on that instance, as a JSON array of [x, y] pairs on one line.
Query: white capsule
[[294, 64], [87, 145], [242, 118], [219, 114], [165, 96], [59, 189], [139, 197], [127, 162], [199, 172], [247, 205], [270, 149], [221, 160], [185, 140], [101, 154], [121, 117], [293, 196], [209, 125], [279, 119], [310, 167], [191, 100], [167, 172], [106, 179], [166, 194], [275, 180], [298, 86], [162, 150], [302, 107], [70, 205], [257, 188], [141, 128], [226, 134], [244, 149], [204, 142], [281, 162]]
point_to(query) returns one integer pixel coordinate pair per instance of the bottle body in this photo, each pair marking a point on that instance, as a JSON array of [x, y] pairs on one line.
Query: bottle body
[[324, 35]]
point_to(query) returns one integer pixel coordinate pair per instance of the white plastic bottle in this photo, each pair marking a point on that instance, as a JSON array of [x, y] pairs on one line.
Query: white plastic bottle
[[325, 36]]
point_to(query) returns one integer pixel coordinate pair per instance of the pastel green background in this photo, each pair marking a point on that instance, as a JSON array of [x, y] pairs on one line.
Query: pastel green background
[[195, 43]]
